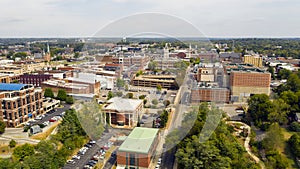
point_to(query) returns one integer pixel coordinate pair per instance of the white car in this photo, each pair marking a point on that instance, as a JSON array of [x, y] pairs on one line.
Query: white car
[[76, 157], [157, 166], [71, 162], [38, 118], [159, 161]]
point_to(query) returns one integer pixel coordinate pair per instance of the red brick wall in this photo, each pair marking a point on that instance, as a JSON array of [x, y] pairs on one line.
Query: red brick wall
[[248, 79]]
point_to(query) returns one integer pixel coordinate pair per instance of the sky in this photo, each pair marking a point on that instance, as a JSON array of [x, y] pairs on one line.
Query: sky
[[214, 18]]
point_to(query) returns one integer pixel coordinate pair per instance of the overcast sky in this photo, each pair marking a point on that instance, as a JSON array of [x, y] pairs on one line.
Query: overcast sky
[[215, 18]]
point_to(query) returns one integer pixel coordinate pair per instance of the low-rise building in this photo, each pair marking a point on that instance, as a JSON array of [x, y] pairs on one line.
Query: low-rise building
[[123, 112], [75, 88], [255, 60], [166, 81], [206, 94], [138, 149], [35, 79], [243, 84], [19, 103]]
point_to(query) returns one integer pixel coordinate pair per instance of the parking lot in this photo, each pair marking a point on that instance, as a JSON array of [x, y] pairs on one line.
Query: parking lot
[[48, 116], [91, 154]]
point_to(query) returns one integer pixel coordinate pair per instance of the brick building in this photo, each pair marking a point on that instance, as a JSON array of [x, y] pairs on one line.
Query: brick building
[[128, 61], [219, 95], [245, 83], [123, 112], [34, 79], [72, 87], [139, 148], [19, 103]]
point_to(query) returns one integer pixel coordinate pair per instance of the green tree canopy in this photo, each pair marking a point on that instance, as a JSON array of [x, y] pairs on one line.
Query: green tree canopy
[[2, 127], [49, 93], [12, 143], [61, 95], [120, 83], [23, 151]]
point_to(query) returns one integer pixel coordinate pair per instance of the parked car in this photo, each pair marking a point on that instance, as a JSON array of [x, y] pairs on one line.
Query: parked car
[[38, 118], [159, 161], [71, 162], [52, 120], [76, 157]]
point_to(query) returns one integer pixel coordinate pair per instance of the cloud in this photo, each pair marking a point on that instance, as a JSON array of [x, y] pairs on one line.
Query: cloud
[[213, 17]]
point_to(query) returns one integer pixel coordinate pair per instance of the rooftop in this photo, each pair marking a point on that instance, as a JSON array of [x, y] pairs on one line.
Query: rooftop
[[11, 86], [121, 104], [139, 140]]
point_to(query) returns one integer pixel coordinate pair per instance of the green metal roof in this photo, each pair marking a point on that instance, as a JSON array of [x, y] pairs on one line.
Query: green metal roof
[[139, 140]]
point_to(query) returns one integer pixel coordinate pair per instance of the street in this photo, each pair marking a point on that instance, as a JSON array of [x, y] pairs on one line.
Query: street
[[168, 156]]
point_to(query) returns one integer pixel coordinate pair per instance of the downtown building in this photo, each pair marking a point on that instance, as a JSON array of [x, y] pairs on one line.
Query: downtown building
[[122, 112], [19, 103], [138, 149]]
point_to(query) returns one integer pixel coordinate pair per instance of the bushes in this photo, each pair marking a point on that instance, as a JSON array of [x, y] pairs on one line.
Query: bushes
[[295, 126]]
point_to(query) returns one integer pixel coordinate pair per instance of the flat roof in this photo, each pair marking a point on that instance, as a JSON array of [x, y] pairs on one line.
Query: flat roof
[[139, 140]]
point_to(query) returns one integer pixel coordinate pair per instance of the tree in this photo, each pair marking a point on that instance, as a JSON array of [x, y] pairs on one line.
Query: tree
[[2, 127], [49, 93], [12, 143], [279, 112], [164, 119], [274, 138], [152, 65], [284, 74], [110, 95], [293, 83], [61, 95], [271, 70], [295, 126], [129, 95], [166, 103], [69, 100], [154, 102], [23, 151], [202, 155], [139, 73], [294, 142], [259, 107], [142, 96], [120, 83], [21, 55], [158, 87], [76, 55]]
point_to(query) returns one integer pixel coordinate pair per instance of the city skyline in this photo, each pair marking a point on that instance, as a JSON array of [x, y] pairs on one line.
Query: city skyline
[[82, 18]]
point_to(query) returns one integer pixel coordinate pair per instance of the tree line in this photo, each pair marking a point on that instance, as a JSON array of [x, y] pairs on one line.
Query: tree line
[[52, 153]]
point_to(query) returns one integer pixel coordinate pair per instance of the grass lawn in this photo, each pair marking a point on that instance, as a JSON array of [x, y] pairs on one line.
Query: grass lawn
[[45, 134], [4, 149], [287, 150]]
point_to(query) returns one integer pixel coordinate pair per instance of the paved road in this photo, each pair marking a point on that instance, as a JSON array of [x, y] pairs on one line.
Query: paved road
[[168, 157]]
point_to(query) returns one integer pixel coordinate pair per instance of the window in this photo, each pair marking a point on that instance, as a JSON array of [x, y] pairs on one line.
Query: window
[[132, 159]]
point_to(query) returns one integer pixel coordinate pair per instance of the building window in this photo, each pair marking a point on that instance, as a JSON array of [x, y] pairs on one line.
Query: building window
[[132, 159]]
